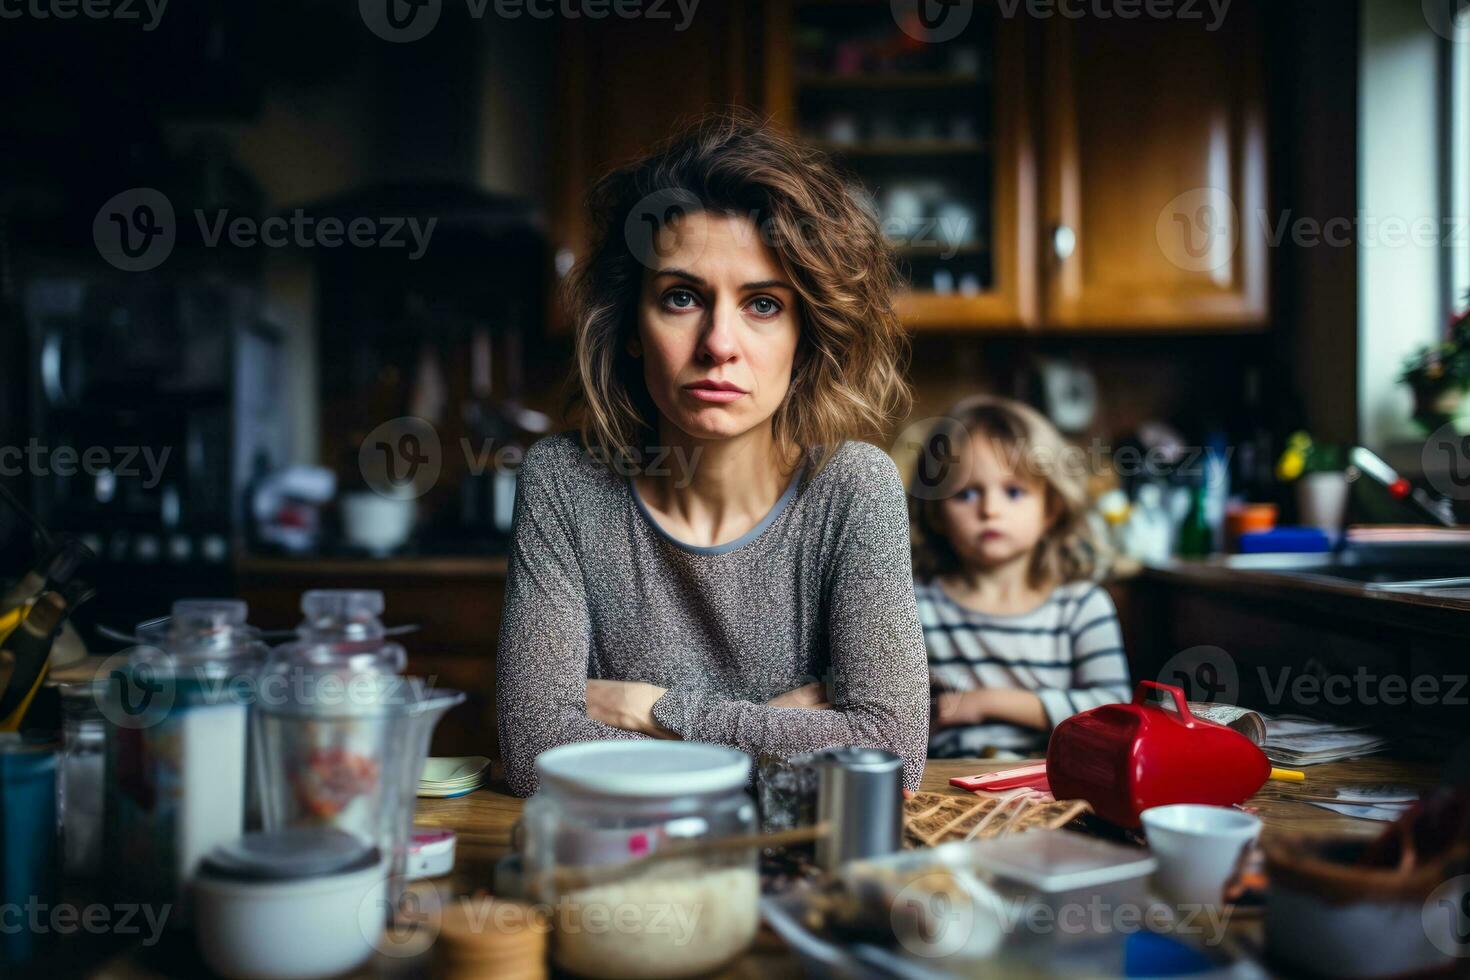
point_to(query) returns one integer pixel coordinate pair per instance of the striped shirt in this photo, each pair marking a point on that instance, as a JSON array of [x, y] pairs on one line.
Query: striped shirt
[[1069, 650]]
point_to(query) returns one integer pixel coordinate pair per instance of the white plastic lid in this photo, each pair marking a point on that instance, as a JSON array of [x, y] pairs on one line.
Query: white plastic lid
[[624, 767]]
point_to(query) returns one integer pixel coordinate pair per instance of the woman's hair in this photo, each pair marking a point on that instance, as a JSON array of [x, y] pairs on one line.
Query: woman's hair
[[848, 376], [1037, 452]]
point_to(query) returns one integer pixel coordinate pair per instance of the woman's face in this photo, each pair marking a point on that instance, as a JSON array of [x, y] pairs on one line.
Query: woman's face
[[717, 327]]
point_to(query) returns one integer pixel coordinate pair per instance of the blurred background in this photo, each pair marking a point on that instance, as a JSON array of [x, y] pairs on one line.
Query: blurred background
[[278, 281]]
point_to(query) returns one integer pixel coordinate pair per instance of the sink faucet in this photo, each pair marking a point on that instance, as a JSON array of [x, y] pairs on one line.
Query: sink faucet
[[1365, 463]]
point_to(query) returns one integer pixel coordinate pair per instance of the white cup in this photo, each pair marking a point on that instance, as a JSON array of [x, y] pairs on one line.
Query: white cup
[[1198, 848]]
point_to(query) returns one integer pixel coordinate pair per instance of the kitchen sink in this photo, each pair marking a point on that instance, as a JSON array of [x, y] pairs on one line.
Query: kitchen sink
[[1405, 568]]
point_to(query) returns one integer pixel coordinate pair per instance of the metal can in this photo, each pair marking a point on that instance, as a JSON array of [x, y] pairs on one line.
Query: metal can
[[28, 872]]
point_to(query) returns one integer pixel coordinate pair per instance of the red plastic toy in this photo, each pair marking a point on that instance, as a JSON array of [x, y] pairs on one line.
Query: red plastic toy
[[1125, 758]]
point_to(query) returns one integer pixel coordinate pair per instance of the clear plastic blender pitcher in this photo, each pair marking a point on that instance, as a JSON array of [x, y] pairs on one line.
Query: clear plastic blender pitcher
[[345, 749]]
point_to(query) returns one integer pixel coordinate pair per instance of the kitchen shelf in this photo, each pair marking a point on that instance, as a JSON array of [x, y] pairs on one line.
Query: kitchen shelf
[[887, 81]]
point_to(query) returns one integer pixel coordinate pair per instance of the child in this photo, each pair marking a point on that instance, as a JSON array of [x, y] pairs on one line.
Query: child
[[1018, 636]]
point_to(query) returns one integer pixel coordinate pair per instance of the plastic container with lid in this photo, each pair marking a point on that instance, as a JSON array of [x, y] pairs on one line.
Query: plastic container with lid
[[608, 802], [305, 902], [343, 628], [178, 723]]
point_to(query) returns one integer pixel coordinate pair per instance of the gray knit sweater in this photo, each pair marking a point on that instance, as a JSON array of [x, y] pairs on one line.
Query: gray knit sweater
[[820, 589]]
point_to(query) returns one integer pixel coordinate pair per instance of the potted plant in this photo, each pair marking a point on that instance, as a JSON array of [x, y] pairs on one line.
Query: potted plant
[[1438, 375], [1321, 481]]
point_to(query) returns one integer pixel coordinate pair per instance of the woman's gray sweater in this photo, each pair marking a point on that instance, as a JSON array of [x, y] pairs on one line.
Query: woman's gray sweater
[[820, 589]]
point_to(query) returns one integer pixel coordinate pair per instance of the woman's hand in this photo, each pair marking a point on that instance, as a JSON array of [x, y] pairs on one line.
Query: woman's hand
[[627, 705], [812, 696]]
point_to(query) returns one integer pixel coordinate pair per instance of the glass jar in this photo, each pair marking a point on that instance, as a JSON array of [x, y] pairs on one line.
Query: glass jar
[[603, 804], [81, 784]]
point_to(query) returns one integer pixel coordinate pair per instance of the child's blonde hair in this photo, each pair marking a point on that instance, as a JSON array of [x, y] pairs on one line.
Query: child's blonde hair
[[1035, 450]]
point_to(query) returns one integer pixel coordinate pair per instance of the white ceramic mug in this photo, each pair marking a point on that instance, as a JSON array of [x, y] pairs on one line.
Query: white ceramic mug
[[1198, 848]]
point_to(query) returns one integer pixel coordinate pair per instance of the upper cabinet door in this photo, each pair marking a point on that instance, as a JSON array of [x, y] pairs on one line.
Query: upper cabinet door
[[1154, 163]]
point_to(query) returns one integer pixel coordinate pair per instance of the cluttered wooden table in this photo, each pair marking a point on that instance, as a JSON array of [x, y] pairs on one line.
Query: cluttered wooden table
[[484, 822]]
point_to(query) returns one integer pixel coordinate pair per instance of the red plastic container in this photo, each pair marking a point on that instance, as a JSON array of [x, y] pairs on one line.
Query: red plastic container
[[1125, 758]]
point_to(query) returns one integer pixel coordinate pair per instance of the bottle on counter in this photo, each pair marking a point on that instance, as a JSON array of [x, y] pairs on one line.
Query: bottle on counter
[[1197, 534]]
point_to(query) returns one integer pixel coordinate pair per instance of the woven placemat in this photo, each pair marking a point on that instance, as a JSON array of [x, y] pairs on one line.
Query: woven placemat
[[931, 819]]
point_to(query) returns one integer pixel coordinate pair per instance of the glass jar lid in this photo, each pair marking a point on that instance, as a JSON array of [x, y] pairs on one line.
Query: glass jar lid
[[342, 628], [207, 635], [643, 769]]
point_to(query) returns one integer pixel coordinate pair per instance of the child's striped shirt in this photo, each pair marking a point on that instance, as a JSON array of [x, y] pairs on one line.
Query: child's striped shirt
[[1069, 650]]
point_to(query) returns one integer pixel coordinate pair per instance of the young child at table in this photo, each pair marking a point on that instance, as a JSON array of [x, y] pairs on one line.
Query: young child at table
[[1019, 637]]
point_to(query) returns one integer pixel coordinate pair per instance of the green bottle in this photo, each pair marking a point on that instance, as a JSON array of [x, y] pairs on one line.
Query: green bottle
[[1196, 537]]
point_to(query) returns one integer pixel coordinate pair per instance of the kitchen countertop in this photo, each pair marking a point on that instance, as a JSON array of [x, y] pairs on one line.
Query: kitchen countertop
[[483, 821], [1427, 610]]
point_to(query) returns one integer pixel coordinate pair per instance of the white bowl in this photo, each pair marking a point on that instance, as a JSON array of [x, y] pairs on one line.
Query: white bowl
[[377, 523], [290, 930]]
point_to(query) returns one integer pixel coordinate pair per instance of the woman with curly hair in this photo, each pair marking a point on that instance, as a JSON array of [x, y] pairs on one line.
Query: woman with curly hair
[[712, 556]]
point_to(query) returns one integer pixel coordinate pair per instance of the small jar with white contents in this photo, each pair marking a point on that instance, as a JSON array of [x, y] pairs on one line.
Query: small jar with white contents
[[602, 805]]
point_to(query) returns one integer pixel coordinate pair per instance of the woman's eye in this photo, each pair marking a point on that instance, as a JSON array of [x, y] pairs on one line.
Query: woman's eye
[[765, 306], [680, 299], [1015, 492], [968, 495]]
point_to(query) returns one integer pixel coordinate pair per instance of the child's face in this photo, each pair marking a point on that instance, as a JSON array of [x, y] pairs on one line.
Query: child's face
[[998, 515]]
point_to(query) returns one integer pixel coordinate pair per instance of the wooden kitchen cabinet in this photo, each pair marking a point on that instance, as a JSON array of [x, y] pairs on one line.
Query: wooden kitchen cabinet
[[1154, 172], [946, 126]]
